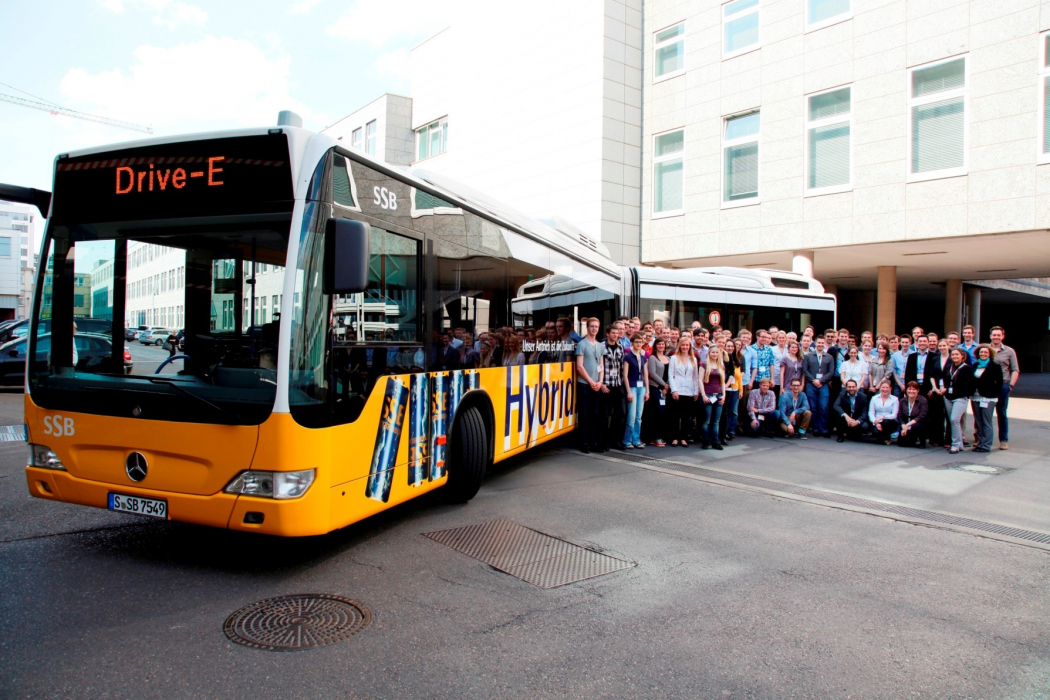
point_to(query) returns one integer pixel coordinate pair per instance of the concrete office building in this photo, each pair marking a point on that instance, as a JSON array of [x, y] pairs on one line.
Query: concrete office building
[[539, 114], [16, 234], [895, 149], [382, 128]]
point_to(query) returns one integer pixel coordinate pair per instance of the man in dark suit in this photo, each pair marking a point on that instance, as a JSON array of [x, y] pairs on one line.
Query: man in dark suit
[[916, 369], [851, 413], [819, 369]]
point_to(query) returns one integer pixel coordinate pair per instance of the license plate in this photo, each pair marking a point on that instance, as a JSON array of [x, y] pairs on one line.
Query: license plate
[[152, 507]]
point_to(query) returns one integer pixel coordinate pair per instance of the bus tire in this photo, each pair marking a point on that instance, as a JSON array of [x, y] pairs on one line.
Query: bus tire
[[469, 456]]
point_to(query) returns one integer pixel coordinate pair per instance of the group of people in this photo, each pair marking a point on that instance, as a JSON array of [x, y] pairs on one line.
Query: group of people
[[652, 384]]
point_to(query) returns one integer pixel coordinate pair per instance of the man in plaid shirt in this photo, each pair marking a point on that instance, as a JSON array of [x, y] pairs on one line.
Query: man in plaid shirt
[[614, 405]]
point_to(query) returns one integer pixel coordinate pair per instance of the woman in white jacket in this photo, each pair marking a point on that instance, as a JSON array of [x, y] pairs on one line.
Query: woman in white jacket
[[684, 380]]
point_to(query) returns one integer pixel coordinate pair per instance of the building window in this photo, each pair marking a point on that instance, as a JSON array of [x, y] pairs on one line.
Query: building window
[[668, 173], [828, 141], [356, 138], [370, 138], [1044, 99], [821, 13], [937, 124], [739, 27], [432, 139], [740, 159], [5, 246], [669, 52]]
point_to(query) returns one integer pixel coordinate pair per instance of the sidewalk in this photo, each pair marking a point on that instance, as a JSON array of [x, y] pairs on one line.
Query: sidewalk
[[1016, 493]]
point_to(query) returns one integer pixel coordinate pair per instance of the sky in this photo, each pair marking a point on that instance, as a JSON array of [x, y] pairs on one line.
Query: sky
[[184, 67]]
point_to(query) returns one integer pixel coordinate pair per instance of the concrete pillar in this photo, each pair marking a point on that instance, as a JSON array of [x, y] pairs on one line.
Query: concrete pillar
[[886, 300], [802, 262], [973, 309], [953, 303]]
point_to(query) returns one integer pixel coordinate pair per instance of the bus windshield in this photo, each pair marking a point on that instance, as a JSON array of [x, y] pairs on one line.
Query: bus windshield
[[161, 322]]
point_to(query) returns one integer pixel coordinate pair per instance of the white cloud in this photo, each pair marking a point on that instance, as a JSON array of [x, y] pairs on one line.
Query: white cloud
[[397, 64], [304, 6], [212, 83], [378, 21], [168, 13], [181, 13]]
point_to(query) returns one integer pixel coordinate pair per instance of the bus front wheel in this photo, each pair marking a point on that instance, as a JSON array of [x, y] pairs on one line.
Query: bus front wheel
[[469, 458]]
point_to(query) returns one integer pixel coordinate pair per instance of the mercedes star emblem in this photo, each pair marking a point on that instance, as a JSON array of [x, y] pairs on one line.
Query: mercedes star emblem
[[136, 466]]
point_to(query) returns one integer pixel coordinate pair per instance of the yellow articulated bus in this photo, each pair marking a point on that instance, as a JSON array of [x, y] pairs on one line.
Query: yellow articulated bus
[[329, 326], [326, 315]]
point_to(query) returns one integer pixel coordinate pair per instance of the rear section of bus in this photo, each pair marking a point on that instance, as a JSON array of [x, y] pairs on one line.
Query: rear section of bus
[[186, 235]]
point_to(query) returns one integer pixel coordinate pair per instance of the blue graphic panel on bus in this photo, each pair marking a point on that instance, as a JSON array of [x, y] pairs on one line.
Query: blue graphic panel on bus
[[417, 430], [439, 419], [388, 438], [536, 403]]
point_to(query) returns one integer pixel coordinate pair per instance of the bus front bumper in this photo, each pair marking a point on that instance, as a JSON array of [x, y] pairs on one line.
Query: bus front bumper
[[297, 517]]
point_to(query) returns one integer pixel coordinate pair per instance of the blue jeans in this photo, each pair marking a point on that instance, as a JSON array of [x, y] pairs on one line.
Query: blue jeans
[[712, 412], [731, 406], [1000, 412], [818, 403], [633, 434]]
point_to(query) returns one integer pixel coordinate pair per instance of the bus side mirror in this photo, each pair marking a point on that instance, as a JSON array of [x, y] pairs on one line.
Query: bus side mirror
[[345, 256]]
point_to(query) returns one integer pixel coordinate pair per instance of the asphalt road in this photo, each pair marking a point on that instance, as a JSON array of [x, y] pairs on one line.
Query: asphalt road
[[736, 593]]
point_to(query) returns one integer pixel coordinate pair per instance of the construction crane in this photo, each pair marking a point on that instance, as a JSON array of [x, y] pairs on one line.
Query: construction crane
[[66, 112]]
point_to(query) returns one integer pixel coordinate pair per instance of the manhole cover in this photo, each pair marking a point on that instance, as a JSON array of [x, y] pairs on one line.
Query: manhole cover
[[293, 622], [986, 469]]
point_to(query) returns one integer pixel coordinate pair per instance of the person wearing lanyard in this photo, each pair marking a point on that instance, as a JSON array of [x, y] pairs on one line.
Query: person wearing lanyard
[[851, 407], [960, 384], [900, 362], [636, 379], [818, 369], [853, 368], [684, 382], [989, 376], [912, 416], [939, 427], [969, 343], [613, 391], [654, 425], [733, 380], [915, 366], [882, 413], [794, 410], [1006, 358], [713, 394], [589, 370]]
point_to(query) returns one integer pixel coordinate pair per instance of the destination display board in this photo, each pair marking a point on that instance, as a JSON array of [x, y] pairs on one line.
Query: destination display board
[[208, 177]]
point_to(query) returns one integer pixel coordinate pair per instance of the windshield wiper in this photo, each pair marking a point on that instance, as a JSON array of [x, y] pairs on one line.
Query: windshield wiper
[[156, 380]]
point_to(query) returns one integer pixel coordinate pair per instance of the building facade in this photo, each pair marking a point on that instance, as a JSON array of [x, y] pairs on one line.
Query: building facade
[[17, 228], [896, 149], [382, 128]]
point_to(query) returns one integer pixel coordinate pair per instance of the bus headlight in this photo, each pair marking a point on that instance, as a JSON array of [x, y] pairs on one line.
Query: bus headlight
[[272, 484], [43, 456]]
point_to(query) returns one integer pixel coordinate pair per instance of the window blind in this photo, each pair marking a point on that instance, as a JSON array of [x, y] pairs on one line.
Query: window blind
[[741, 171], [943, 76], [829, 155], [820, 10], [937, 135]]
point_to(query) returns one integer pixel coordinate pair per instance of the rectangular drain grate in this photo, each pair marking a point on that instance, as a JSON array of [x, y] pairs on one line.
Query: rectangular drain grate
[[12, 433], [532, 556], [832, 497]]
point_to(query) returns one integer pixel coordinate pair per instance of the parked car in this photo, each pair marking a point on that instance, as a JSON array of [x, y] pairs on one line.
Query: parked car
[[93, 355], [132, 332], [154, 336], [18, 329]]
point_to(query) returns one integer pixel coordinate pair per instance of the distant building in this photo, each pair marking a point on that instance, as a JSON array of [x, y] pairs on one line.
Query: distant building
[[17, 224]]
